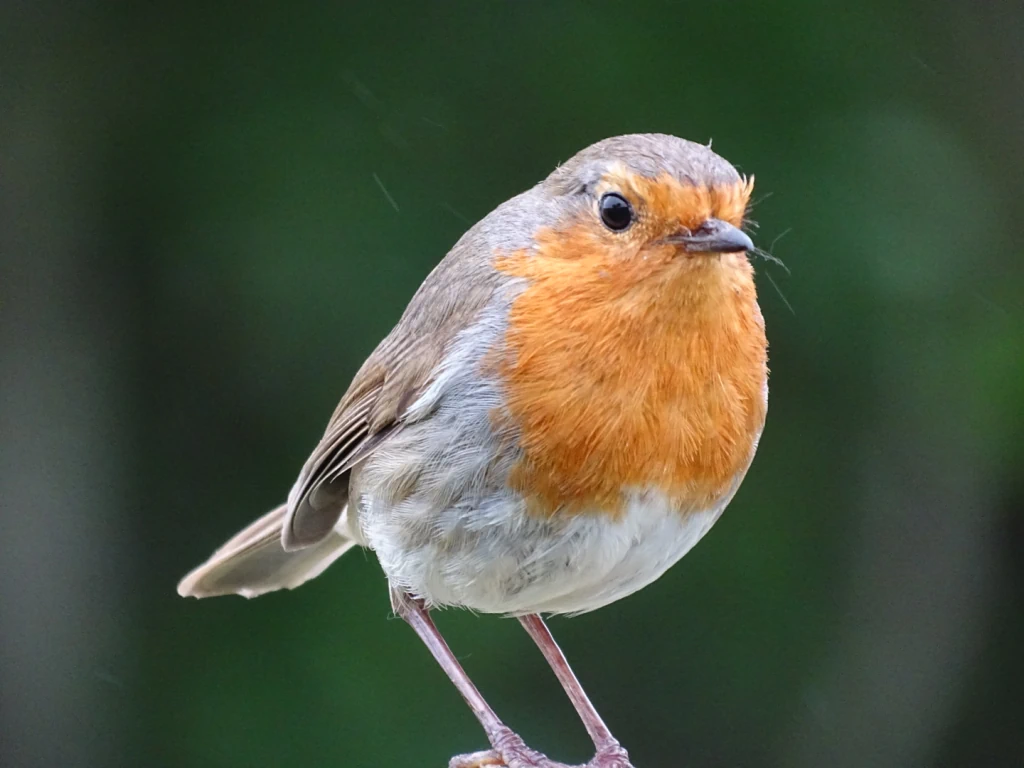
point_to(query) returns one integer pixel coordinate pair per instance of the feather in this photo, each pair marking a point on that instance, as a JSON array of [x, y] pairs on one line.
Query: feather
[[253, 562]]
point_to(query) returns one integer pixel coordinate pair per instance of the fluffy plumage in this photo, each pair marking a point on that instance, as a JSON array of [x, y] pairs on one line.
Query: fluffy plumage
[[561, 412]]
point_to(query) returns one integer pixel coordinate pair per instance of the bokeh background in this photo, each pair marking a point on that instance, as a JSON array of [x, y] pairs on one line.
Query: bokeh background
[[212, 212]]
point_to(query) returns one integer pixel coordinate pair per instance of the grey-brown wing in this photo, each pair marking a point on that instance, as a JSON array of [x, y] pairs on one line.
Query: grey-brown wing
[[319, 496], [379, 397]]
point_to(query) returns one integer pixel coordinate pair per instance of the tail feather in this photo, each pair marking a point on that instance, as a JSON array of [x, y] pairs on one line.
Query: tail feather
[[253, 562]]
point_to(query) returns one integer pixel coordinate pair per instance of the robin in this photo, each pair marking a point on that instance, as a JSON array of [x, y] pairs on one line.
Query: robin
[[565, 408]]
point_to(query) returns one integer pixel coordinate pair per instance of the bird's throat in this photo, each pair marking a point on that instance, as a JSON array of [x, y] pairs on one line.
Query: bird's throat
[[617, 386]]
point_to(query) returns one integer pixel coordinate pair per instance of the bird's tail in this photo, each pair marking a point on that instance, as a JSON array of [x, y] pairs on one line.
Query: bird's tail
[[253, 561]]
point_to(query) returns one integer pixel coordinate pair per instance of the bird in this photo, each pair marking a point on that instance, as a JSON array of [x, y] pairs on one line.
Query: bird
[[566, 406]]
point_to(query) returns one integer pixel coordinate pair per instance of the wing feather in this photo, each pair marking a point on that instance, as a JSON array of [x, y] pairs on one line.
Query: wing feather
[[389, 382]]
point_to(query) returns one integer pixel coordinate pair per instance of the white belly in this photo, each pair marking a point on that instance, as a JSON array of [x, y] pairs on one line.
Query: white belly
[[434, 503], [500, 560]]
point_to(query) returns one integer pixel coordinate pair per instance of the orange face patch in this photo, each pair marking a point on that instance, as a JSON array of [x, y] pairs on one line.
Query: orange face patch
[[665, 202], [631, 365]]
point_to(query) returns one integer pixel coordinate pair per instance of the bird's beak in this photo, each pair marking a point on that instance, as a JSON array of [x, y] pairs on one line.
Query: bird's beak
[[713, 236]]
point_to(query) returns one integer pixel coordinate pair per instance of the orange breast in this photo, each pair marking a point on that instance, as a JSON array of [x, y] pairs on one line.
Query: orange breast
[[622, 374]]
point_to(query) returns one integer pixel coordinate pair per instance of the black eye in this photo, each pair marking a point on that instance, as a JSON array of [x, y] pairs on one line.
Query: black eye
[[616, 212]]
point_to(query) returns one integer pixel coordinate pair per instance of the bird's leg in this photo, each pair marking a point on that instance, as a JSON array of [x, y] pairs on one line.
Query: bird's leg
[[609, 753], [509, 749]]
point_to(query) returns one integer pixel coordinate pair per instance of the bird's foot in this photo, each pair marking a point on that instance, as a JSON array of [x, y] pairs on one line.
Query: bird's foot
[[509, 751], [610, 756]]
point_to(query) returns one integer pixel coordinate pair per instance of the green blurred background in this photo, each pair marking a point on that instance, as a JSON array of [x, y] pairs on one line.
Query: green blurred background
[[211, 213]]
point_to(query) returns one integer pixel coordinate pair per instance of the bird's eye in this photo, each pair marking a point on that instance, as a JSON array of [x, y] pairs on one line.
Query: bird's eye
[[616, 212]]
